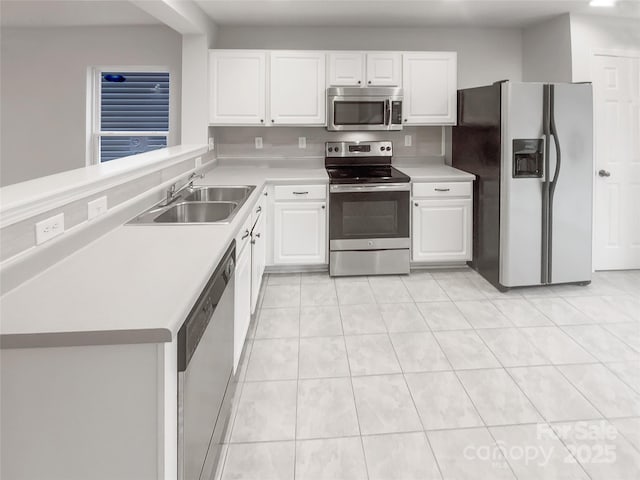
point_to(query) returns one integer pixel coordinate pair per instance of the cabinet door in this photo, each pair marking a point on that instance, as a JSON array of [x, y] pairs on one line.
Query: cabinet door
[[441, 230], [258, 259], [384, 69], [237, 81], [345, 69], [297, 88], [242, 303], [429, 81], [300, 231]]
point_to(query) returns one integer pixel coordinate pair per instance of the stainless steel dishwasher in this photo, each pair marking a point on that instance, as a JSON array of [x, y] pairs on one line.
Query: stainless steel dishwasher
[[205, 383]]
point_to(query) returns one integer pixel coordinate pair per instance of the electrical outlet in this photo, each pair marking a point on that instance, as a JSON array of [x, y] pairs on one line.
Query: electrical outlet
[[198, 162], [49, 228], [258, 143], [96, 207], [212, 143], [407, 140], [302, 142]]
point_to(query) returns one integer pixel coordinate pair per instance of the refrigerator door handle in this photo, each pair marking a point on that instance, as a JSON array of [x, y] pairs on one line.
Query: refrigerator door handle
[[554, 181], [545, 240]]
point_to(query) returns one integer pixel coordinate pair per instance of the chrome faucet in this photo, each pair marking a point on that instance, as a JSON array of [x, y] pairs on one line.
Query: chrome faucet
[[172, 193]]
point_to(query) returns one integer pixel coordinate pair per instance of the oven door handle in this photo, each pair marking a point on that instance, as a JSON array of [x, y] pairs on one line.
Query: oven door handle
[[384, 187]]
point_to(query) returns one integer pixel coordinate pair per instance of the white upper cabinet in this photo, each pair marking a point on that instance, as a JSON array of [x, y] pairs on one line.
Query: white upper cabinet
[[429, 80], [297, 88], [384, 69], [346, 69], [237, 85], [360, 69]]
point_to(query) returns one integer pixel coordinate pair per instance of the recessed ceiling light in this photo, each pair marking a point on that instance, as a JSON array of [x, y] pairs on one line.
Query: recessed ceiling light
[[602, 3]]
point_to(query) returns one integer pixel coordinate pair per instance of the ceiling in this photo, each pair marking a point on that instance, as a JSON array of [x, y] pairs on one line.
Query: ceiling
[[388, 13], [402, 13], [71, 13]]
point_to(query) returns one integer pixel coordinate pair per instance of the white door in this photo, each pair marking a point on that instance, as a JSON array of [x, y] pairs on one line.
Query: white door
[[345, 69], [237, 85], [430, 82], [441, 230], [297, 88], [384, 69], [300, 233], [616, 82], [258, 259], [242, 303]]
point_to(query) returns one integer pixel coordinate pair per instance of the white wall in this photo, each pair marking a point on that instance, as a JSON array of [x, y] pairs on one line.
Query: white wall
[[484, 54], [44, 90], [546, 51], [590, 33]]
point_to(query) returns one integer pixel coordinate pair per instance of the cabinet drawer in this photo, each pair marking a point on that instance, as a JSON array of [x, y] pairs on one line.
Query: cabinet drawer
[[244, 235], [300, 192], [442, 189]]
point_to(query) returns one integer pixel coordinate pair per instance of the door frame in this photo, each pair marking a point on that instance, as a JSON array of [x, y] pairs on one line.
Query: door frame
[[600, 52]]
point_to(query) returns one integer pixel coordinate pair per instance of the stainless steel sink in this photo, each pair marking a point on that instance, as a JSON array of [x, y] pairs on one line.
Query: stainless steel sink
[[197, 204], [218, 194], [197, 212]]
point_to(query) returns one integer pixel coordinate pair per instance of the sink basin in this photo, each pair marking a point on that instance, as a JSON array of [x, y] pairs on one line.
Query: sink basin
[[218, 194], [197, 212], [198, 204]]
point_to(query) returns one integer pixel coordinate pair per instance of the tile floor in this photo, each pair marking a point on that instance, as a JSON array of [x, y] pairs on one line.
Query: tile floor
[[438, 375]]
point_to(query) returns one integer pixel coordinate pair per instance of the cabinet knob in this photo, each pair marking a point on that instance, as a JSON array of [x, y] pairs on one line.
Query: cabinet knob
[[262, 120], [405, 119], [369, 82], [323, 207], [416, 204], [266, 193], [604, 173], [359, 82], [272, 120]]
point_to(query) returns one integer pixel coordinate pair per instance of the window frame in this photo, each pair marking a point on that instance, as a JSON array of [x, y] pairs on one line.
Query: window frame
[[93, 157]]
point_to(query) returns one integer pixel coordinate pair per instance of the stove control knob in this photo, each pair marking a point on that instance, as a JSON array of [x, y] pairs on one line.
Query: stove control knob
[[336, 149], [382, 149], [330, 149], [388, 149]]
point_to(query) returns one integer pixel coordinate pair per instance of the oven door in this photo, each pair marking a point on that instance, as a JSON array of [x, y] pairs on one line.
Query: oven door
[[369, 217], [347, 113]]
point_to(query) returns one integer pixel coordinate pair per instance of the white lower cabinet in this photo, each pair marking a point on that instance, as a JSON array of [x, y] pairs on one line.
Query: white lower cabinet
[[299, 225], [300, 231], [442, 228], [258, 258], [242, 303]]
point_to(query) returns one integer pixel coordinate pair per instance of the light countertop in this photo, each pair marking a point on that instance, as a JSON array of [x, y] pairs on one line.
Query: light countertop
[[138, 283]]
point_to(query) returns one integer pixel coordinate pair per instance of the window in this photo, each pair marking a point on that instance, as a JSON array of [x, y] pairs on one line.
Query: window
[[132, 114]]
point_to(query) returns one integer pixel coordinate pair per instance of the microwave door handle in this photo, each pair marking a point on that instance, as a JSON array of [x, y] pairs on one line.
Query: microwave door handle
[[387, 113]]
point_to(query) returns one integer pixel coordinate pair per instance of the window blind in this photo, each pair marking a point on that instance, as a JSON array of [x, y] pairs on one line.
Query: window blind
[[133, 102]]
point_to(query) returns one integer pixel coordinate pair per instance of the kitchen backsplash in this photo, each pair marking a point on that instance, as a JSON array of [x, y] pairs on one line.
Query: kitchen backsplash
[[282, 142]]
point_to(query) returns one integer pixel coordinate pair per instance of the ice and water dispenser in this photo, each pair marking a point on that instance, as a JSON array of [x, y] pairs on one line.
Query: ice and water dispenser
[[528, 158]]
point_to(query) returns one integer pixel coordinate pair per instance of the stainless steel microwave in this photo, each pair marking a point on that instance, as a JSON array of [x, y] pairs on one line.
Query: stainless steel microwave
[[369, 108]]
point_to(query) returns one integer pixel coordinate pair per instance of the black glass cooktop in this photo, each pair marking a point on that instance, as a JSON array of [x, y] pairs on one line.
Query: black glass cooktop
[[366, 174]]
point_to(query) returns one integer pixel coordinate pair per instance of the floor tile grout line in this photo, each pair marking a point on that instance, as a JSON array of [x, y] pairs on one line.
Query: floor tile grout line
[[415, 406], [353, 393], [295, 425], [486, 427], [580, 342]]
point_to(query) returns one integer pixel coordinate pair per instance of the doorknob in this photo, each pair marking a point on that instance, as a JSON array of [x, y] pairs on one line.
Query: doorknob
[[604, 173]]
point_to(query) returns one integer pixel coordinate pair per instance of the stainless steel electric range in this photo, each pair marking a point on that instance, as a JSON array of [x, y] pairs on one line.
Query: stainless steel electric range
[[368, 210]]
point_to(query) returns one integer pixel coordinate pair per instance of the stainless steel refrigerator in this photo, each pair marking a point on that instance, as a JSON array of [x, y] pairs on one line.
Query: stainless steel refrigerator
[[530, 146]]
